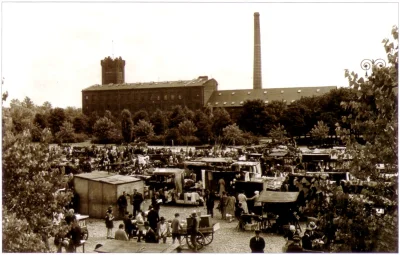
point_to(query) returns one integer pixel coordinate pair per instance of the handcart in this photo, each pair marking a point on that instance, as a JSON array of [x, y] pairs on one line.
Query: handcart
[[204, 236]]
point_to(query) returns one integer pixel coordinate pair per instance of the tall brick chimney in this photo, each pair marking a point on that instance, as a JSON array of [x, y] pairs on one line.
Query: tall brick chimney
[[257, 78]]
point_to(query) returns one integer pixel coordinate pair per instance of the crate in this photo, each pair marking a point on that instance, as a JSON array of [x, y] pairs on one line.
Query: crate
[[205, 221]]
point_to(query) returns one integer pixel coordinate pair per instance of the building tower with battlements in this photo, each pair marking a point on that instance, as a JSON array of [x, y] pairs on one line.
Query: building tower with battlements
[[112, 71]]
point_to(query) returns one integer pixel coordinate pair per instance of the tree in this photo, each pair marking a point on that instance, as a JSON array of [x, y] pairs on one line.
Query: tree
[[177, 116], [159, 121], [232, 134], [30, 194], [203, 124], [40, 120], [320, 132], [66, 133], [72, 112], [375, 116], [56, 119], [253, 116], [21, 116], [140, 115], [103, 130], [275, 111], [143, 131], [294, 119], [278, 134], [93, 118], [189, 114], [28, 103], [220, 120], [186, 131], [126, 125], [81, 123]]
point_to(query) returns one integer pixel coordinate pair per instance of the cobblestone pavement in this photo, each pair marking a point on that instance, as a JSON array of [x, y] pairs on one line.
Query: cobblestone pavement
[[226, 240]]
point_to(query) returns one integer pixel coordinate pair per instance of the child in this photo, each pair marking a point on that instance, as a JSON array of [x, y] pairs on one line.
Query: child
[[109, 222]]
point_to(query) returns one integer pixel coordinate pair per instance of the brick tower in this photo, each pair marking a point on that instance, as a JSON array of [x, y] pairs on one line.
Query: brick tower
[[112, 71], [257, 77]]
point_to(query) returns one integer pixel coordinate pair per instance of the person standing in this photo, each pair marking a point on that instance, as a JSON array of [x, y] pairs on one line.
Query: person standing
[[257, 207], [137, 199], [230, 206], [122, 205], [210, 200], [120, 234], [176, 226], [193, 229], [221, 184], [109, 222], [222, 205], [153, 218], [257, 243], [243, 199]]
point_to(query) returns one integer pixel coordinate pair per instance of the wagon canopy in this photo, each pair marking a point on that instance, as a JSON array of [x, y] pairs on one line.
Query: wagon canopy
[[278, 197]]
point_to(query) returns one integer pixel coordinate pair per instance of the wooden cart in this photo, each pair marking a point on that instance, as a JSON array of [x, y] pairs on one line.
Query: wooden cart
[[204, 236]]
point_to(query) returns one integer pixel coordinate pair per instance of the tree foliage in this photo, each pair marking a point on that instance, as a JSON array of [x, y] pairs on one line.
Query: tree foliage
[[375, 116], [140, 115], [29, 193], [278, 134], [253, 117], [126, 125], [105, 131], [320, 131], [56, 119], [232, 134], [187, 130], [143, 131]]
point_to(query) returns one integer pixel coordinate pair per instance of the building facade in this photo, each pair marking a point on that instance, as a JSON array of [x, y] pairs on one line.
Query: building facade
[[148, 96]]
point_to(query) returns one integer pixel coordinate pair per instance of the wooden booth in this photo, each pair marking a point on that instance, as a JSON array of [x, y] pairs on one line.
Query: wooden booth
[[98, 190]]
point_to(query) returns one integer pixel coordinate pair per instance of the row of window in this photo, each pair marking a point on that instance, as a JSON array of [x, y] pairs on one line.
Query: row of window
[[126, 98], [266, 92], [241, 102]]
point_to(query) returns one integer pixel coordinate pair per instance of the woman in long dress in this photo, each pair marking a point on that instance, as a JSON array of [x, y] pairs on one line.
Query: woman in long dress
[[243, 199], [221, 183], [230, 207]]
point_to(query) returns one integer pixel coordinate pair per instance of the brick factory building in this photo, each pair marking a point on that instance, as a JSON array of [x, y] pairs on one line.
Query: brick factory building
[[115, 95]]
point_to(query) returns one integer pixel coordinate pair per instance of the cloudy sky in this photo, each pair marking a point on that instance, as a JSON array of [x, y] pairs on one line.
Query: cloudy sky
[[51, 51]]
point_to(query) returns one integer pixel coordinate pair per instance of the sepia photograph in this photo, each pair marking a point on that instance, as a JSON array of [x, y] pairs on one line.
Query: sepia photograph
[[199, 127]]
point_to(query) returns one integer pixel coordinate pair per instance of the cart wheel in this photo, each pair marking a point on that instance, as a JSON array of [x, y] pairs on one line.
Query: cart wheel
[[199, 240], [208, 238]]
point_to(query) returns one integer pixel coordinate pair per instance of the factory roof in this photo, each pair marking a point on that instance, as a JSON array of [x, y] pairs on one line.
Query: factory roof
[[200, 81], [236, 98]]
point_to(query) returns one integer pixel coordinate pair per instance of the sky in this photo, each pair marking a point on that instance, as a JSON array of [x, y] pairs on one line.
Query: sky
[[51, 51]]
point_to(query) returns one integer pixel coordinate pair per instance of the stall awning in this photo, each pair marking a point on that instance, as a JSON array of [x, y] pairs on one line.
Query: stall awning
[[278, 197]]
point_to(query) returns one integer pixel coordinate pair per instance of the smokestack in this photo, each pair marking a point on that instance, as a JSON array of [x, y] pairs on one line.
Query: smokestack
[[257, 79]]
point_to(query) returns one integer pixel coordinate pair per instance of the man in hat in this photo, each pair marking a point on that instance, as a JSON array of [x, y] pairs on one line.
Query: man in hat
[[257, 243], [122, 205], [153, 218], [295, 246], [193, 229], [163, 229], [150, 236], [137, 199]]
